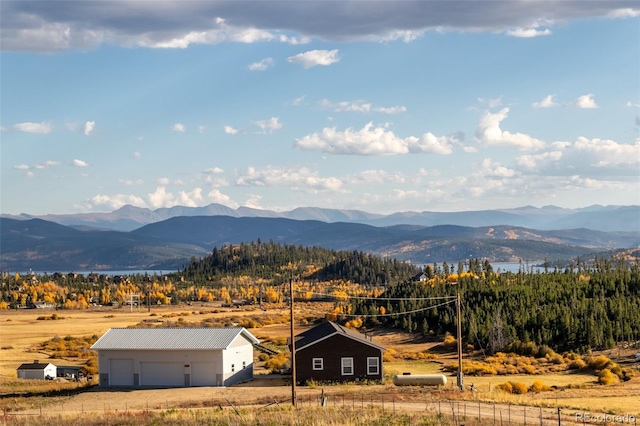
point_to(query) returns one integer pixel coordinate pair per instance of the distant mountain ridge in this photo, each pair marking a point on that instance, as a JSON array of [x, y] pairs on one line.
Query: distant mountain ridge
[[596, 217], [169, 244]]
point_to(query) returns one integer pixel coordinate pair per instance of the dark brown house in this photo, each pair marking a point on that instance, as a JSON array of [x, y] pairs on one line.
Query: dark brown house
[[332, 352]]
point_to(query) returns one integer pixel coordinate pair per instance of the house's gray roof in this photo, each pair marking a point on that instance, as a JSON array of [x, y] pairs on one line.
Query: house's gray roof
[[171, 338], [328, 329], [34, 366]]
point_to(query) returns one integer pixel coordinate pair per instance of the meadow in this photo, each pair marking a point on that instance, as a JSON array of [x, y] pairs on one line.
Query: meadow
[[23, 334]]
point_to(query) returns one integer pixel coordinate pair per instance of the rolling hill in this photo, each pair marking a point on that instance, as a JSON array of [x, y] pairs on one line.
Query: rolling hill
[[169, 244]]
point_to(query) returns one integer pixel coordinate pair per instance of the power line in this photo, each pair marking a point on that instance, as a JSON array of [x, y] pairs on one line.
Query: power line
[[391, 314], [420, 299]]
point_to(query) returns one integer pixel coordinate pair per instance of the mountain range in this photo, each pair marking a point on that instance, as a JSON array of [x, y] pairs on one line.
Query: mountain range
[[595, 217], [33, 243]]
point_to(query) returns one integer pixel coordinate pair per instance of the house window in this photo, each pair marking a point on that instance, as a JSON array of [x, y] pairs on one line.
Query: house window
[[318, 364], [347, 366], [244, 364], [233, 368], [373, 366]]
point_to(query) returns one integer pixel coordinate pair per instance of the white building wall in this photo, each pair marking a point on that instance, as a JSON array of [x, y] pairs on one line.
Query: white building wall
[[50, 370], [185, 358], [238, 361]]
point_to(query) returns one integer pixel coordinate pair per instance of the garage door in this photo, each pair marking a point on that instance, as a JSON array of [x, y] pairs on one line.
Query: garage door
[[121, 372], [203, 374], [161, 374]]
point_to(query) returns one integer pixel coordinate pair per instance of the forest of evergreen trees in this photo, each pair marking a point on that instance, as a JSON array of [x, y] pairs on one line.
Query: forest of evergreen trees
[[573, 309], [278, 262]]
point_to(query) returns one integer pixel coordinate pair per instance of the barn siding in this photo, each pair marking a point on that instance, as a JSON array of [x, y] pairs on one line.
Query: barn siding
[[184, 358], [240, 351], [332, 350]]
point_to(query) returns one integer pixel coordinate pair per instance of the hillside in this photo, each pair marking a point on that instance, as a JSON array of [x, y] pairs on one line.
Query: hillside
[[600, 218], [170, 244]]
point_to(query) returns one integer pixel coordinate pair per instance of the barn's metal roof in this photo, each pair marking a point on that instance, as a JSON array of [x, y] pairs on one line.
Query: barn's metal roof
[[171, 338]]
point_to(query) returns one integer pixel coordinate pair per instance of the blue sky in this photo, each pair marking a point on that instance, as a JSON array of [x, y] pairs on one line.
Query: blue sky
[[380, 106]]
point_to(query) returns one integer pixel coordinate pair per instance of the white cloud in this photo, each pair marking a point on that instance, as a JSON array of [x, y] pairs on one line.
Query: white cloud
[[71, 126], [216, 196], [88, 127], [360, 106], [21, 167], [30, 26], [495, 170], [178, 127], [79, 163], [313, 58], [369, 177], [213, 170], [262, 65], [585, 157], [47, 164], [136, 155], [253, 201], [608, 153], [488, 132], [201, 129], [296, 179], [294, 40], [586, 101], [114, 202], [624, 13], [161, 198], [189, 199], [230, 130], [372, 140], [548, 102], [131, 182], [429, 143], [164, 181], [298, 101], [269, 125], [42, 128], [529, 32]]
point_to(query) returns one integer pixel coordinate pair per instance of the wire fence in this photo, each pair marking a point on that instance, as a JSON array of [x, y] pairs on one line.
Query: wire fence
[[458, 411]]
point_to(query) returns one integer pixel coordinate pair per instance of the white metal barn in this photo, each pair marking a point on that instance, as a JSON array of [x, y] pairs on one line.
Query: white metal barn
[[175, 357], [37, 370]]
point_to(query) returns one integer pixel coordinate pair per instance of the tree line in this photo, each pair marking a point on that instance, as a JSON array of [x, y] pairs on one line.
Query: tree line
[[578, 308]]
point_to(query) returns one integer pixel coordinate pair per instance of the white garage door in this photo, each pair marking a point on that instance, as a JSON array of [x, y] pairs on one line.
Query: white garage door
[[121, 372], [203, 374], [161, 374]]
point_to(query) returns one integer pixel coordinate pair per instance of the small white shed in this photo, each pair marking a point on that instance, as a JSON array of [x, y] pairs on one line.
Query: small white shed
[[175, 357], [37, 370]]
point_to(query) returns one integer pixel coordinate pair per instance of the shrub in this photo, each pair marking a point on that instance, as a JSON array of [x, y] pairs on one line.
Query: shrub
[[519, 388], [507, 387], [577, 364], [449, 341], [606, 377], [598, 363], [538, 386]]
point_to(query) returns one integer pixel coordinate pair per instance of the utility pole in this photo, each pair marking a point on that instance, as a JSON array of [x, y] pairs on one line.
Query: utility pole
[[293, 347], [460, 377]]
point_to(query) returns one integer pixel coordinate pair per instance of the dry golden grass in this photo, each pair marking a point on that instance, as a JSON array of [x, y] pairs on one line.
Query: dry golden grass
[[20, 331]]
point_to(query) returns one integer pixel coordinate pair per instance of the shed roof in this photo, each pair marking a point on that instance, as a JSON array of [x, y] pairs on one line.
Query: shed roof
[[171, 338], [328, 329], [34, 366]]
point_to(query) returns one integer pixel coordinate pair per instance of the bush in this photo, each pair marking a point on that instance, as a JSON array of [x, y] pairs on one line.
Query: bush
[[577, 364], [538, 386], [519, 388], [606, 377], [598, 363], [449, 341]]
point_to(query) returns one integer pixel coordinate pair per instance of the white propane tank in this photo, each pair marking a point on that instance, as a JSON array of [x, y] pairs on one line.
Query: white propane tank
[[420, 380]]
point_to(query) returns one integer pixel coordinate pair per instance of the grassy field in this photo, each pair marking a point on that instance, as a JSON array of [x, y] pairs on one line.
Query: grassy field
[[21, 331]]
